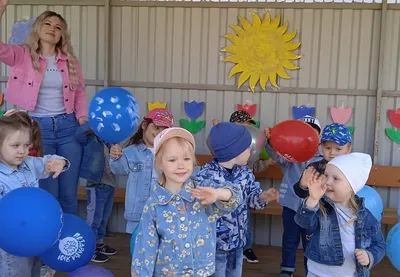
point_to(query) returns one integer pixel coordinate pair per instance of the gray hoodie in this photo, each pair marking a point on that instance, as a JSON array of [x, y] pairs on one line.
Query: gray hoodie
[[291, 175]]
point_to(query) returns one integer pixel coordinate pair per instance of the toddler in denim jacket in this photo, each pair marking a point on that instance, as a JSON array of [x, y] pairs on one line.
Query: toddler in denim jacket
[[17, 169], [176, 235], [345, 238], [136, 162]]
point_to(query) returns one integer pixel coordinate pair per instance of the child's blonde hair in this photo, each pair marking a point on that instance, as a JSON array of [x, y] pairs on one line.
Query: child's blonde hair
[[186, 146], [64, 45], [353, 205]]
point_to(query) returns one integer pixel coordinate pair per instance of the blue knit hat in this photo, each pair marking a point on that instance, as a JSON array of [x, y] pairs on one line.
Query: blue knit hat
[[337, 133], [228, 140]]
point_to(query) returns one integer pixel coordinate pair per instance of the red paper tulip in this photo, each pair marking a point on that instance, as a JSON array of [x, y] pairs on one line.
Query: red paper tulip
[[394, 117], [341, 114], [251, 109], [294, 140]]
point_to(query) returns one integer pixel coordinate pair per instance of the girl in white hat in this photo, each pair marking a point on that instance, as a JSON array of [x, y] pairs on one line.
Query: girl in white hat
[[345, 238]]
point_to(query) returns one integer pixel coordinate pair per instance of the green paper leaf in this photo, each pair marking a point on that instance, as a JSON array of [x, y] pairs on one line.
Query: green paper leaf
[[393, 134], [192, 126], [351, 129], [264, 155], [257, 125]]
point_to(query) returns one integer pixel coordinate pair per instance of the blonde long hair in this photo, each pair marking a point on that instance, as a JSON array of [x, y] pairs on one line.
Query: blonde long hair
[[353, 205], [64, 45]]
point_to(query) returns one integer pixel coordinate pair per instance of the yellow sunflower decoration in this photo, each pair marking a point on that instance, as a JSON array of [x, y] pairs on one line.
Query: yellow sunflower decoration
[[261, 51]]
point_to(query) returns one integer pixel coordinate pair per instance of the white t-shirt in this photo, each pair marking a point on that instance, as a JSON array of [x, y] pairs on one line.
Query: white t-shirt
[[347, 235]]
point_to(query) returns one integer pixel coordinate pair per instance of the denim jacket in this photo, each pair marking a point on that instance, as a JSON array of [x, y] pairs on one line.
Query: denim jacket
[[325, 242], [176, 234], [136, 162], [232, 228], [92, 164], [291, 174], [28, 174]]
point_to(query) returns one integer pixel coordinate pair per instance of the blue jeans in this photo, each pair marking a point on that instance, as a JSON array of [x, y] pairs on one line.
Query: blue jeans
[[249, 233], [99, 207], [13, 266], [291, 240], [58, 137], [228, 264]]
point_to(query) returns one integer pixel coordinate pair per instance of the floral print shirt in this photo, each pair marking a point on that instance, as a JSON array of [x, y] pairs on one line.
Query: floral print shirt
[[232, 227], [176, 235]]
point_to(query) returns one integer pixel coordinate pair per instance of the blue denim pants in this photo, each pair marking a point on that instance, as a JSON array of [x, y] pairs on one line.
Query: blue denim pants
[[291, 240], [99, 207], [249, 232], [13, 266], [58, 137], [228, 264]]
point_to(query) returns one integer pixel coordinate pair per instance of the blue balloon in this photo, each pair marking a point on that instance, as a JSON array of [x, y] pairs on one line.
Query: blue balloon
[[113, 114], [133, 238], [75, 247], [373, 201], [31, 220], [393, 246]]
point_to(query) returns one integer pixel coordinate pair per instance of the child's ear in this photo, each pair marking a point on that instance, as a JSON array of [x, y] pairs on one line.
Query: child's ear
[[350, 147]]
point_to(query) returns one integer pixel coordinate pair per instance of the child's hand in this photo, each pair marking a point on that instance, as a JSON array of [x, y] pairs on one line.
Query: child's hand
[[362, 257], [270, 162], [55, 166], [267, 132], [206, 195], [269, 195], [115, 151], [317, 187], [307, 176]]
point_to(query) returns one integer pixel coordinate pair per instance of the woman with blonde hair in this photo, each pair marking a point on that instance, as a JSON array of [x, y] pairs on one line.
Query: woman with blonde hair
[[46, 80]]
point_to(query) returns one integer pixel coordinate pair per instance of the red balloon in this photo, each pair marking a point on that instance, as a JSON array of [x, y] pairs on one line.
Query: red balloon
[[294, 140]]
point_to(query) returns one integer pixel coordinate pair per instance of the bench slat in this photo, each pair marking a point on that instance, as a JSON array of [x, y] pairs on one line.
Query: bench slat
[[273, 208]]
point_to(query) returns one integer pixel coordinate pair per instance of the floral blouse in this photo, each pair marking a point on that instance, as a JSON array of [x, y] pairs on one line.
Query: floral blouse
[[177, 234]]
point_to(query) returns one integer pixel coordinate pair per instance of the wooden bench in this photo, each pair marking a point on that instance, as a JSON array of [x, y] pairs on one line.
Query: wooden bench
[[380, 176]]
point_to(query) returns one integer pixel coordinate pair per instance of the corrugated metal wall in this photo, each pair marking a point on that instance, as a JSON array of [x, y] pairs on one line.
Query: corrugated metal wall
[[157, 47]]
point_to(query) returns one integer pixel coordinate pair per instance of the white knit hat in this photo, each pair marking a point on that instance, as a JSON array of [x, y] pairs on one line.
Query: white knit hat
[[355, 167]]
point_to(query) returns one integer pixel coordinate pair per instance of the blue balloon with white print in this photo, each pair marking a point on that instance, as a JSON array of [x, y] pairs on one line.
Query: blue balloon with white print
[[30, 221], [75, 248], [113, 114]]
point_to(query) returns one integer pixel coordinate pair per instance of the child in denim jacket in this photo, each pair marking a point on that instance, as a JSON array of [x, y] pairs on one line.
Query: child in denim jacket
[[346, 239], [290, 202], [100, 187], [230, 143], [136, 161], [176, 235], [17, 169]]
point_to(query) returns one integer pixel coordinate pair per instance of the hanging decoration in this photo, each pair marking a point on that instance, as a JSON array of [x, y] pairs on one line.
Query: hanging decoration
[[394, 118], [302, 111], [193, 110], [156, 105], [342, 115], [261, 51]]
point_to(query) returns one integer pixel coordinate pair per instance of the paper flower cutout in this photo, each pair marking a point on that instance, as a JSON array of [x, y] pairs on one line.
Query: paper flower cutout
[[301, 111], [393, 134], [351, 129], [394, 117], [250, 108], [194, 109], [156, 105], [192, 126], [341, 114]]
